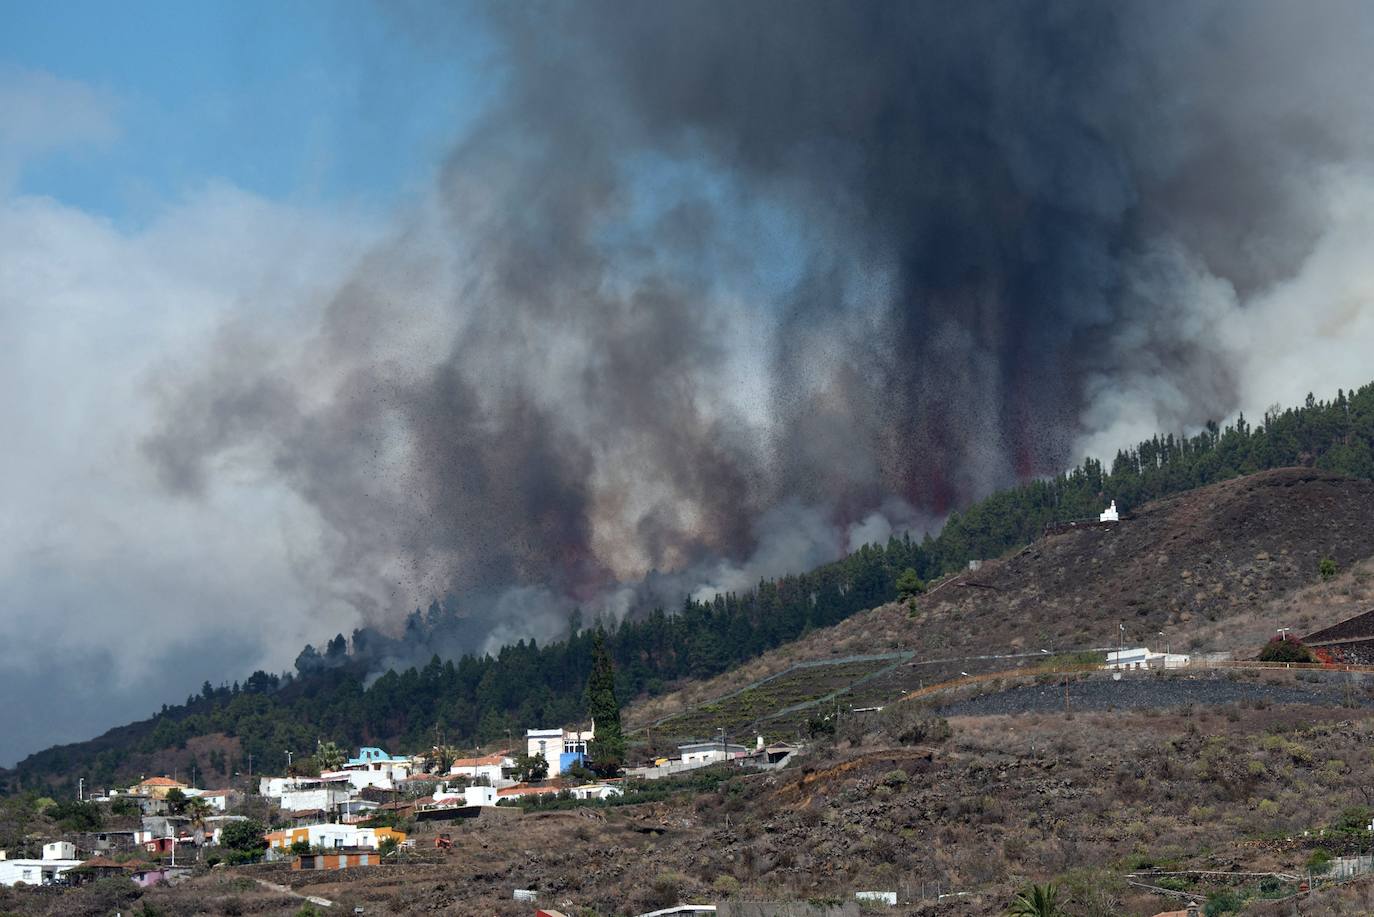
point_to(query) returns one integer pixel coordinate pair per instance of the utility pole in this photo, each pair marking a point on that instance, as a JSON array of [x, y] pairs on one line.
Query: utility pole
[[288, 760]]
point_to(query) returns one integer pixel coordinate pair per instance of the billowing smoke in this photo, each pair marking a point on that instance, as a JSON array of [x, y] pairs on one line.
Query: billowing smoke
[[717, 291]]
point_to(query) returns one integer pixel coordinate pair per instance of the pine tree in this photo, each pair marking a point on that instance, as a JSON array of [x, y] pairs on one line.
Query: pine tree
[[608, 746]]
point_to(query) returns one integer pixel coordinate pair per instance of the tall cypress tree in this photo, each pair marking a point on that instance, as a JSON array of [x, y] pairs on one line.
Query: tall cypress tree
[[607, 749]]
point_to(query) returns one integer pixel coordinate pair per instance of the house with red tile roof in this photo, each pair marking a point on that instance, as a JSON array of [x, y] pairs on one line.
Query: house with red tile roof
[[495, 769], [526, 789]]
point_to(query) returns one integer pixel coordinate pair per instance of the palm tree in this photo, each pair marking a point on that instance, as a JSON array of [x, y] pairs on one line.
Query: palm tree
[[329, 756], [1036, 901]]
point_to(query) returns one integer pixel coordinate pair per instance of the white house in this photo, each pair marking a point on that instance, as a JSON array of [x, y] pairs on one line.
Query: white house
[[1141, 657], [331, 836], [58, 857], [355, 810], [521, 790], [273, 787], [326, 792], [596, 791], [560, 747], [219, 800], [699, 754], [494, 769], [468, 796], [374, 767], [1109, 514]]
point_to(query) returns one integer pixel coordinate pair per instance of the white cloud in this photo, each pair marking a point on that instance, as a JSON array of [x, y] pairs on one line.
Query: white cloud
[[44, 113], [97, 561]]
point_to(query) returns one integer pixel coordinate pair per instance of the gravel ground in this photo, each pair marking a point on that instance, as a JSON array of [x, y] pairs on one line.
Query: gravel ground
[[1137, 693]]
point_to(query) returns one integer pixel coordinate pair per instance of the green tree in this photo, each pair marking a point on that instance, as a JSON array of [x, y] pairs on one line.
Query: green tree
[[244, 837], [1036, 901], [909, 584], [176, 800], [77, 816], [531, 767], [607, 749]]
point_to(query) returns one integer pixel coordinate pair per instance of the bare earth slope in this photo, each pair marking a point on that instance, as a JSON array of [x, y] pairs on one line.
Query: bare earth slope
[[1216, 568]]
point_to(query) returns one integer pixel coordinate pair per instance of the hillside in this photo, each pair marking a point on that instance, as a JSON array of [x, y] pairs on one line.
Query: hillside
[[1245, 787], [973, 793], [1213, 569], [411, 688]]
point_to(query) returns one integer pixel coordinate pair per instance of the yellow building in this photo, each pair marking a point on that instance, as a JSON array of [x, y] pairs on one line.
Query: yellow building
[[157, 787]]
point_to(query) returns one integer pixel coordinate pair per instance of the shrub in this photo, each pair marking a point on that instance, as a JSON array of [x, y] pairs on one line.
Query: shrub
[[1319, 862], [1287, 648], [895, 778], [1327, 568], [668, 886], [726, 885], [300, 847], [1224, 901]]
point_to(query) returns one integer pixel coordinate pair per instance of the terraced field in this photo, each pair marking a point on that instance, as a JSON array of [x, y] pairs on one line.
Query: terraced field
[[782, 701]]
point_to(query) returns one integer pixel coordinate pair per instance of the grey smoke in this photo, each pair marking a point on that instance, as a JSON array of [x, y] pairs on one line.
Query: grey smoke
[[708, 290]]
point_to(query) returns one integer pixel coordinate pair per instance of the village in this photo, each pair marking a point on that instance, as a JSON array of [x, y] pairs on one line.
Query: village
[[357, 814]]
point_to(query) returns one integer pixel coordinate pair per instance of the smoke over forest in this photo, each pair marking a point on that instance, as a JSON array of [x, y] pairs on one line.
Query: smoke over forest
[[712, 292]]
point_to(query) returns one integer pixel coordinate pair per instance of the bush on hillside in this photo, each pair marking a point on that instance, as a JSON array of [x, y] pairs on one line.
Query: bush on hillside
[[909, 584], [1287, 648]]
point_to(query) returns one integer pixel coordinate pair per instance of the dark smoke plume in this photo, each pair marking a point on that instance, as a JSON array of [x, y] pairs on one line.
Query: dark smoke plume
[[711, 290]]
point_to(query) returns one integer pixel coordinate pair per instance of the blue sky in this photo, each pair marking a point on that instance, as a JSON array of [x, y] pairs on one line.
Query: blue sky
[[313, 102]]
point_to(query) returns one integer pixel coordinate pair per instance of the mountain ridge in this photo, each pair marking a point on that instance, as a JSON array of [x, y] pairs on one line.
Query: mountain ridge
[[472, 700]]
